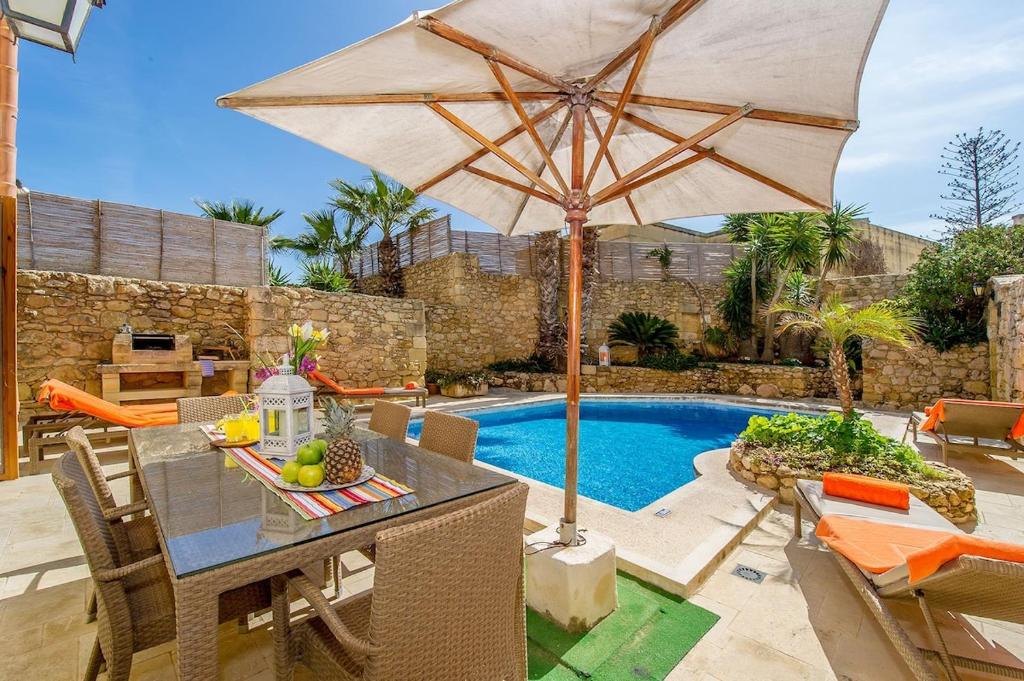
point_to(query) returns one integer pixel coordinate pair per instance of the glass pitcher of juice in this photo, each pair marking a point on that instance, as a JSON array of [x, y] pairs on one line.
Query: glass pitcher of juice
[[234, 428]]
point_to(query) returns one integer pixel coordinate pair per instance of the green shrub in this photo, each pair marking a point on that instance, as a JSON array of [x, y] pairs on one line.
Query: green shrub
[[322, 276], [432, 375], [470, 379], [534, 364], [648, 333], [939, 288], [669, 361], [832, 443]]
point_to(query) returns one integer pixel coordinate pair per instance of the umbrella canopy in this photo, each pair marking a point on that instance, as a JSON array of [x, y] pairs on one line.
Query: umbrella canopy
[[536, 113]]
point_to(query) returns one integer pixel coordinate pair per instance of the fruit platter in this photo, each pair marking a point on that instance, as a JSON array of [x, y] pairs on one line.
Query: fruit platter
[[322, 465]]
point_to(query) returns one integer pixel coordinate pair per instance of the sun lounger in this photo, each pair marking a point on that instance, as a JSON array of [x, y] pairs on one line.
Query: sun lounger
[[967, 423], [967, 585], [418, 393]]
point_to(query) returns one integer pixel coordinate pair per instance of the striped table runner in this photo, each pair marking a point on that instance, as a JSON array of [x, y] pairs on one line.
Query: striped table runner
[[312, 505]]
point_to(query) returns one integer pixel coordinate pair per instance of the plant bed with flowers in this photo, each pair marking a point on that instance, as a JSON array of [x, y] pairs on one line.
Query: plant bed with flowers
[[775, 452]]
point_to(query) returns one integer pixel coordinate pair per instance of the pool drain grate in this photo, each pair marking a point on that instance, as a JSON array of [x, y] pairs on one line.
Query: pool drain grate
[[749, 574]]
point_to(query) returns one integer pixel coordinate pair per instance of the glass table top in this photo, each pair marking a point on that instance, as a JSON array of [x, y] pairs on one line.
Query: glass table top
[[211, 515]]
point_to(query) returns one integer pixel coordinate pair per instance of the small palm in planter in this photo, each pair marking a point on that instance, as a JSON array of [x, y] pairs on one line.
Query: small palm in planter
[[834, 322], [648, 333], [464, 383]]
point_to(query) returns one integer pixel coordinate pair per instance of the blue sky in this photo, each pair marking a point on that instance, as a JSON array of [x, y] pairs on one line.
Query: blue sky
[[134, 119]]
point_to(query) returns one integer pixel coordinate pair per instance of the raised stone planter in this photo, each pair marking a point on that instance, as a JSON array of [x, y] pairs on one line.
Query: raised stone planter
[[953, 497], [457, 390]]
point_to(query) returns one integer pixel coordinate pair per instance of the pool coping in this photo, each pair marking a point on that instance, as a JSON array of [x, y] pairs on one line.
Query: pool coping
[[674, 555]]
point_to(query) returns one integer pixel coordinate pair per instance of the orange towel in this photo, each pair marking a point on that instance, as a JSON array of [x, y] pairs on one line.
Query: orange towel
[[870, 490], [412, 385], [879, 547], [63, 397], [936, 414], [354, 392]]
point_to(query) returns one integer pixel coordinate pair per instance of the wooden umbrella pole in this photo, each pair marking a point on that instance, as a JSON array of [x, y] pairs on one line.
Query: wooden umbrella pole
[[575, 215]]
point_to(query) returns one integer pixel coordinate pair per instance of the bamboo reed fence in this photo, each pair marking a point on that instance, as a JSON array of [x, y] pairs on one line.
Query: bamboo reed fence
[[98, 237], [623, 261]]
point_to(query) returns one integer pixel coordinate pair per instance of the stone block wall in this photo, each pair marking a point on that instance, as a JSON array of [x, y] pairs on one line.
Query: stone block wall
[[67, 321], [895, 378], [865, 290], [726, 379], [1006, 337], [374, 341]]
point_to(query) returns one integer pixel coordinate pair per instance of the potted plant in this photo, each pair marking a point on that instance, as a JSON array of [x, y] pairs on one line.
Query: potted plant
[[464, 383], [431, 377]]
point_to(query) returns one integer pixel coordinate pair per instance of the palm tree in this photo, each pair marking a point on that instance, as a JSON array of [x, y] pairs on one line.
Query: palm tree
[[752, 230], [795, 242], [242, 211], [836, 323], [277, 276], [839, 235], [389, 206], [548, 246], [322, 276], [322, 240], [647, 333], [589, 269]]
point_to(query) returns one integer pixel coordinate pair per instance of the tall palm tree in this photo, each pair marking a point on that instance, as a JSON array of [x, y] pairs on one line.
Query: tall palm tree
[[752, 230], [548, 263], [835, 323], [839, 235], [590, 257], [242, 211], [382, 203], [324, 241], [795, 242]]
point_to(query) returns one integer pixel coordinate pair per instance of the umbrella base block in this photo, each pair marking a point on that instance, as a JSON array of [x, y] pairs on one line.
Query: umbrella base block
[[573, 586]]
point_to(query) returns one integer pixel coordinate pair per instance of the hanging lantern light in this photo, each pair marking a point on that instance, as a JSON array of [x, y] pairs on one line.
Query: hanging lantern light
[[286, 413], [54, 23]]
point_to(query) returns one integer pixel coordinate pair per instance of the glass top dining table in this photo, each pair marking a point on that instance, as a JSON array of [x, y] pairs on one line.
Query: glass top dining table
[[211, 515]]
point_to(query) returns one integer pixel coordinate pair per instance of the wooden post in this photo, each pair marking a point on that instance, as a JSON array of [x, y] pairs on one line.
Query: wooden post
[[8, 254]]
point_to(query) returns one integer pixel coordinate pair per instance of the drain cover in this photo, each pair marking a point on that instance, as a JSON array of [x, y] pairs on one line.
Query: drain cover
[[663, 513], [749, 574]]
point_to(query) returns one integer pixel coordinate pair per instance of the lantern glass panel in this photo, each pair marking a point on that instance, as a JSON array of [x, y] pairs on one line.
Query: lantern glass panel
[[273, 422], [302, 421]]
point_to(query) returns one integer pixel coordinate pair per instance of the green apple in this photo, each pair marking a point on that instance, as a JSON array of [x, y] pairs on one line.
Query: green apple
[[320, 445], [290, 471], [308, 454], [311, 476]]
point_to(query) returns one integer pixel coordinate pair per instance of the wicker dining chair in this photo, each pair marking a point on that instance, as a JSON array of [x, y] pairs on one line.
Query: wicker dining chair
[[449, 434], [134, 595], [390, 419], [204, 409], [447, 603]]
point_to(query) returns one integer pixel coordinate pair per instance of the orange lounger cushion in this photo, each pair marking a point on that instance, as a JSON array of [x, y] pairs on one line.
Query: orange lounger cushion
[[880, 547], [870, 490], [936, 414], [354, 392], [63, 397]]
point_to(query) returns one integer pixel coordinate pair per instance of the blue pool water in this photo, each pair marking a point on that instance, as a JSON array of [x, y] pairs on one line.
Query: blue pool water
[[632, 452]]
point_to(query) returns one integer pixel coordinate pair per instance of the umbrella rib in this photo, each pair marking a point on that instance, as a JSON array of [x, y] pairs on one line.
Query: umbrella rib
[[513, 99], [789, 117], [627, 90], [674, 14], [454, 35], [512, 184], [472, 132], [551, 148], [679, 148], [719, 158], [615, 168], [477, 155], [251, 102], [657, 175]]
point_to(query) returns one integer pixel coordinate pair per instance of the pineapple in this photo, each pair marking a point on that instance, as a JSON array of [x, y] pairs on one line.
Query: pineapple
[[343, 461]]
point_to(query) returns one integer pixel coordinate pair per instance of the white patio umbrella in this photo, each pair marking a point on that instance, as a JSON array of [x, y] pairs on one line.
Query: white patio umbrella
[[673, 108]]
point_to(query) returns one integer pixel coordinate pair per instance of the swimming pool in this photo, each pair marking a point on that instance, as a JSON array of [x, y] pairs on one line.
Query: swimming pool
[[632, 452]]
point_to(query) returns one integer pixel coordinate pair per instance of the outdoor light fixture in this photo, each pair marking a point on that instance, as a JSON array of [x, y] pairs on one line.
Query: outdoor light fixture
[[286, 413], [979, 288], [54, 23]]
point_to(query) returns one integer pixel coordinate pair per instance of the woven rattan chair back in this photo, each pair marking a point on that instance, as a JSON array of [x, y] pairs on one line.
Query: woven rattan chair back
[[448, 595], [205, 409], [390, 419], [79, 443], [449, 434]]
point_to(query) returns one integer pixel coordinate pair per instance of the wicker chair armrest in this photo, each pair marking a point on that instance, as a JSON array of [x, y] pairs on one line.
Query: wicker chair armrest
[[122, 474], [127, 509], [114, 574], [323, 608]]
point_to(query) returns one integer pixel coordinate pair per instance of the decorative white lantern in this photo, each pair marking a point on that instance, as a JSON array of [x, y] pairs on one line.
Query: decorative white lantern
[[286, 414], [54, 23]]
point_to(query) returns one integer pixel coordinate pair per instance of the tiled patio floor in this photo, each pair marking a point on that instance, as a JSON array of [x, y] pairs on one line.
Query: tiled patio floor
[[804, 622]]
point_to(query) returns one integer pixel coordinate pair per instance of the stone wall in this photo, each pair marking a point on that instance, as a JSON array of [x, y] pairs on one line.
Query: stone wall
[[374, 341], [727, 379], [67, 321], [868, 289], [895, 378], [1006, 337]]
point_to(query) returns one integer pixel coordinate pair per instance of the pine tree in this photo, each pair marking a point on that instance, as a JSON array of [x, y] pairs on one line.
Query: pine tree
[[983, 179]]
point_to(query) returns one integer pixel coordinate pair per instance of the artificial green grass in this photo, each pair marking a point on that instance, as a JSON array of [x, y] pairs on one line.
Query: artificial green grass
[[645, 638]]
